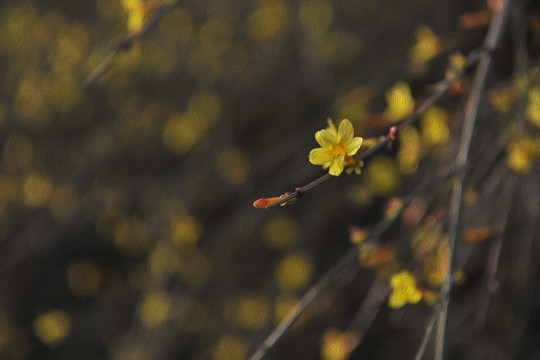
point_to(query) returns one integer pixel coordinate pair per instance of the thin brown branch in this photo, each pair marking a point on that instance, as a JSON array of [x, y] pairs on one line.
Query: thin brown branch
[[429, 331], [369, 309], [119, 45], [494, 251], [471, 112], [440, 90]]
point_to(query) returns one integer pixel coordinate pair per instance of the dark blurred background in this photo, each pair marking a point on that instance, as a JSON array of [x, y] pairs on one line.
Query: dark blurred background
[[126, 222]]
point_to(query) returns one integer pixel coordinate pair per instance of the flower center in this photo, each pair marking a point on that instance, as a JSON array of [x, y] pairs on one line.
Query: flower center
[[338, 151]]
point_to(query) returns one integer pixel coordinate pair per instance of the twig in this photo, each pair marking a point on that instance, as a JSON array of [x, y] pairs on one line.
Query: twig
[[429, 331], [323, 282], [494, 251], [441, 89], [368, 311], [471, 111], [121, 44]]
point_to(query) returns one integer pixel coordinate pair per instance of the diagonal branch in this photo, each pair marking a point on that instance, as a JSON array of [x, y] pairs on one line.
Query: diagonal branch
[[471, 112], [440, 89], [122, 44]]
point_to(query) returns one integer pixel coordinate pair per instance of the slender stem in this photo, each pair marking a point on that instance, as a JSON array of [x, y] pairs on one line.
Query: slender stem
[[369, 309], [429, 331], [471, 111], [494, 251]]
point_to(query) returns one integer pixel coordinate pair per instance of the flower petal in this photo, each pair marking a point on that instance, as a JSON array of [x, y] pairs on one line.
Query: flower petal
[[352, 146], [337, 166], [345, 132], [396, 300], [325, 138], [320, 156], [331, 127]]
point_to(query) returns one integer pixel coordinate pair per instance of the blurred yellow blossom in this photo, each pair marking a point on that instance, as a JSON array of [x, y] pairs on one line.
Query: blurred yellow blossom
[[294, 271], [533, 110], [426, 48], [400, 102], [137, 11], [335, 145], [337, 345], [409, 152], [434, 124], [53, 327], [522, 153], [230, 347], [404, 290]]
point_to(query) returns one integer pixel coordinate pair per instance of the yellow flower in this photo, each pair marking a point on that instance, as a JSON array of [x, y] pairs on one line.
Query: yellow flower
[[138, 10], [404, 290], [522, 154], [335, 145], [353, 164]]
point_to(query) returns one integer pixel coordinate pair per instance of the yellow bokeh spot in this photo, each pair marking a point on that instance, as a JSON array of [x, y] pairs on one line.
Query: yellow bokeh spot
[[162, 259], [426, 48], [382, 175], [195, 268], [132, 351], [31, 99], [341, 47], [409, 152], [130, 236], [437, 264], [280, 232], [522, 154], [434, 125], [53, 327], [230, 347], [84, 278], [64, 202], [336, 345], [284, 307], [400, 102], [183, 131], [186, 230], [294, 271], [533, 108], [37, 189], [315, 16], [250, 312], [270, 19], [233, 166], [361, 195], [502, 99], [192, 316], [155, 309]]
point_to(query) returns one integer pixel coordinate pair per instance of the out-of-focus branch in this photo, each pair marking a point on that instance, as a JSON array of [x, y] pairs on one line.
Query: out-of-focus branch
[[494, 251], [369, 309], [124, 43], [429, 331], [471, 112]]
